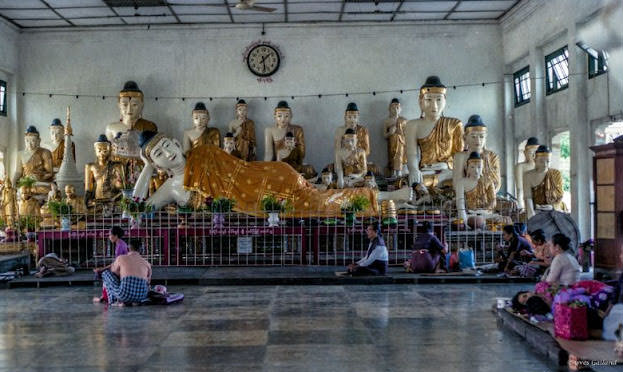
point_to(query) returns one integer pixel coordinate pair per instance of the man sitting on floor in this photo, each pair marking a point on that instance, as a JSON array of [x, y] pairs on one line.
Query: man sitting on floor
[[128, 279], [429, 255], [375, 261]]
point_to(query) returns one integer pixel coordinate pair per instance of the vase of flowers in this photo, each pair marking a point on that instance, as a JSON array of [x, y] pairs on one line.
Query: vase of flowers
[[219, 206], [134, 207], [353, 206], [273, 206]]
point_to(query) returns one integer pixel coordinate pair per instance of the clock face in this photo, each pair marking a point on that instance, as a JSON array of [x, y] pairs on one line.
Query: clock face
[[263, 60]]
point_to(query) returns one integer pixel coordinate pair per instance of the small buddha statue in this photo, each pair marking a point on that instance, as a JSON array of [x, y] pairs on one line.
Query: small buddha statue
[[543, 186], [35, 162], [369, 181], [53, 195], [475, 196], [9, 203], [28, 205], [57, 133], [433, 139], [103, 178], [527, 165], [76, 202], [394, 131], [326, 180], [275, 138], [351, 121], [350, 161], [200, 133], [229, 145], [158, 180], [243, 130], [290, 153], [475, 137]]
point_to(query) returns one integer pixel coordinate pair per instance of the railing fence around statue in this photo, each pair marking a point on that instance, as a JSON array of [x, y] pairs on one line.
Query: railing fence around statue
[[174, 238]]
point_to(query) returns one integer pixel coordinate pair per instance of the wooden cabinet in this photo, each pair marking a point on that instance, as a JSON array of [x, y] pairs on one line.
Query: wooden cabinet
[[608, 208]]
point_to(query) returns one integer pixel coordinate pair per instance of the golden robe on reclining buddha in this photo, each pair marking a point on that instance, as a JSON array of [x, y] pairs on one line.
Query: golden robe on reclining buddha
[[211, 172]]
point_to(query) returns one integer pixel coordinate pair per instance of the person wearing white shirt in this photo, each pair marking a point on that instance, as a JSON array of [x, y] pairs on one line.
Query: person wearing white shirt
[[564, 269], [375, 261]]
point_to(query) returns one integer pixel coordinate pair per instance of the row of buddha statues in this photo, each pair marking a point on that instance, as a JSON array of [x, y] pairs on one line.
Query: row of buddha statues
[[428, 153]]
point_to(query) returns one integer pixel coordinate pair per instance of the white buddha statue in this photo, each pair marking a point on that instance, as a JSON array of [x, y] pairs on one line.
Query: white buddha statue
[[351, 121], [543, 186], [521, 168], [433, 139], [130, 104], [326, 181], [200, 133], [229, 145], [57, 134], [475, 196], [350, 162]]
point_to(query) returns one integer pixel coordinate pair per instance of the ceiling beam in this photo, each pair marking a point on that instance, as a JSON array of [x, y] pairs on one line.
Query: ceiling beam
[[396, 10], [285, 9], [172, 11], [508, 10], [115, 13], [57, 13], [231, 17], [342, 10], [452, 10], [11, 21]]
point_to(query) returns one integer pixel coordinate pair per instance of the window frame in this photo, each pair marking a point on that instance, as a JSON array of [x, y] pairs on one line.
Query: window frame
[[602, 65], [3, 105], [548, 59], [519, 100]]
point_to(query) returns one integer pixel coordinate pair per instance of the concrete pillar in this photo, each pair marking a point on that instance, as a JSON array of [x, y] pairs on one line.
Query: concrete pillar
[[509, 133], [537, 94]]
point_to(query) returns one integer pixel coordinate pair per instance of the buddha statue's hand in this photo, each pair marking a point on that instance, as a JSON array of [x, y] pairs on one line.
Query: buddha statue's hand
[[340, 183], [436, 167], [415, 176]]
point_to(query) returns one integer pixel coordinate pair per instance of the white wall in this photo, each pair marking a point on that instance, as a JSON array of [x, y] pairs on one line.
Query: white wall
[[9, 38], [536, 28], [203, 61]]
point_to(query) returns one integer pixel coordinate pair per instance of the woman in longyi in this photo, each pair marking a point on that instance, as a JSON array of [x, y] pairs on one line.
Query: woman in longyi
[[210, 172]]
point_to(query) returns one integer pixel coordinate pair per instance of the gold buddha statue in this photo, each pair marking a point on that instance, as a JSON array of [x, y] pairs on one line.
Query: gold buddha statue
[[433, 139], [230, 146], [76, 202], [543, 186], [275, 141], [57, 132], [475, 195], [475, 137], [394, 131], [53, 195], [350, 162], [532, 144], [351, 121], [28, 205], [243, 130], [35, 162], [9, 203], [200, 133], [103, 178]]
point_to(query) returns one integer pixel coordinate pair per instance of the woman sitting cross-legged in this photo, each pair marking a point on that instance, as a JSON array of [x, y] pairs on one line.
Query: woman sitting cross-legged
[[375, 261], [429, 255], [565, 269]]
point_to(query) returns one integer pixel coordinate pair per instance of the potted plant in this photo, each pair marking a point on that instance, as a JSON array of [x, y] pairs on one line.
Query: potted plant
[[273, 206], [135, 207], [353, 206], [61, 208], [27, 182], [219, 207]]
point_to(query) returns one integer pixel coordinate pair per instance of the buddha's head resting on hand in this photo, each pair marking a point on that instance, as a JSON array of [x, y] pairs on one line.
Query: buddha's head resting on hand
[[130, 102], [57, 131], [432, 98], [241, 110], [283, 114], [394, 107], [475, 134], [530, 150], [543, 158], [201, 116], [163, 152], [474, 166], [31, 138], [351, 116]]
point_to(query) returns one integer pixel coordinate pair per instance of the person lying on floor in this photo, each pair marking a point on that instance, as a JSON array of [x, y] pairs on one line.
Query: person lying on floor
[[127, 281], [375, 261], [429, 255]]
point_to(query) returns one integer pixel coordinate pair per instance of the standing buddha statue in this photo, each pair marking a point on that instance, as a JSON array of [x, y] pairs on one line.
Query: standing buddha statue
[[532, 144], [394, 131], [57, 132], [9, 203], [433, 139], [243, 130], [201, 134]]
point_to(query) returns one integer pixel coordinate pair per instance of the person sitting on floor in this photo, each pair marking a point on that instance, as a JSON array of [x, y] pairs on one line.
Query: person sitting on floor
[[522, 230], [128, 279], [541, 260], [375, 261], [121, 247], [429, 255], [565, 269], [519, 250]]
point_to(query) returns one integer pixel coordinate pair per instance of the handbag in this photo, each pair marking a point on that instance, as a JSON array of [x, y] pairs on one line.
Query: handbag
[[571, 323], [466, 259]]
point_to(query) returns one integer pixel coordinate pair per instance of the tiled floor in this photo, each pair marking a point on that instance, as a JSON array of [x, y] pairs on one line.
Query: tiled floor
[[440, 328]]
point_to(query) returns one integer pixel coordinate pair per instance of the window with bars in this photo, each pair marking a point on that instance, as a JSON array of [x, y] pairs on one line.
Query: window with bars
[[557, 70], [521, 79], [597, 66], [3, 98]]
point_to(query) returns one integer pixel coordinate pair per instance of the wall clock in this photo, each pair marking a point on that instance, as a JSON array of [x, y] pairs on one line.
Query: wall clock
[[263, 59]]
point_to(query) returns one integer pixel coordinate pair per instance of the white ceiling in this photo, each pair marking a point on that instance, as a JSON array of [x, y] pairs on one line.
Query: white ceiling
[[91, 13]]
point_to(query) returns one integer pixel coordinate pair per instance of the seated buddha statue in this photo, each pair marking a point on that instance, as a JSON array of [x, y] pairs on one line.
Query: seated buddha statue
[[350, 161], [433, 139], [275, 138], [369, 181], [28, 206], [475, 137], [243, 130], [123, 134], [326, 181], [394, 131], [543, 186], [200, 133], [229, 145], [103, 178], [57, 133], [521, 168], [208, 171], [35, 162], [475, 196], [78, 206], [9, 209]]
